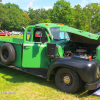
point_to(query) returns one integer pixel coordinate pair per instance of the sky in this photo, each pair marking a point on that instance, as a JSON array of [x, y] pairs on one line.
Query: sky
[[38, 4]]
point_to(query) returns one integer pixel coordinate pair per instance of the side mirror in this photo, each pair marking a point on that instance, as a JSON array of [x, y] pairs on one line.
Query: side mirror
[[43, 35]]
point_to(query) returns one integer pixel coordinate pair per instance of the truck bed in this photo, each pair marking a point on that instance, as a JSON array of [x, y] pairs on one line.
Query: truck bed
[[17, 44], [12, 40]]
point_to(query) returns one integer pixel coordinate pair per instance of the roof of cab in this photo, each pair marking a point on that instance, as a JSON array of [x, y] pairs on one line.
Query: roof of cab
[[49, 25], [73, 32]]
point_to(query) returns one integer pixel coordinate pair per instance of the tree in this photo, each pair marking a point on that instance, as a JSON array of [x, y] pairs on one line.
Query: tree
[[16, 19], [91, 11], [43, 14], [26, 19], [80, 21], [45, 21], [34, 16], [4, 19], [10, 17], [62, 13], [9, 5], [44, 17], [96, 23]]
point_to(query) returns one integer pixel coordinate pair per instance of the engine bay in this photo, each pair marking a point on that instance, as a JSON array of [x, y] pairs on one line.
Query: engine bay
[[80, 50]]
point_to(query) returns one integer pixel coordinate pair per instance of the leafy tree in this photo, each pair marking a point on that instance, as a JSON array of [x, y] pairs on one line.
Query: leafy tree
[[78, 16], [16, 19], [26, 19], [80, 21], [91, 11], [45, 21], [4, 19], [87, 18], [9, 5], [10, 17], [44, 17], [43, 14], [62, 13], [49, 13], [34, 16], [96, 23]]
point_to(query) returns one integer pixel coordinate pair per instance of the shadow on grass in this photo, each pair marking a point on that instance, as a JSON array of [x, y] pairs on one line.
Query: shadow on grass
[[21, 77]]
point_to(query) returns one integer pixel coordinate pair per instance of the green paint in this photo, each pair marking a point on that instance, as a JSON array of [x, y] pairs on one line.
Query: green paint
[[33, 54], [98, 53]]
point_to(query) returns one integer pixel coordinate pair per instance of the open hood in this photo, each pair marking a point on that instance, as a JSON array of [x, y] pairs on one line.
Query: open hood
[[77, 35]]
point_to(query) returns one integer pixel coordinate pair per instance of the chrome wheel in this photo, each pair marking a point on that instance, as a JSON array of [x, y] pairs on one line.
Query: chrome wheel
[[66, 79]]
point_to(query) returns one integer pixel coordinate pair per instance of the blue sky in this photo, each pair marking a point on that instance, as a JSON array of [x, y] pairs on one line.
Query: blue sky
[[36, 4]]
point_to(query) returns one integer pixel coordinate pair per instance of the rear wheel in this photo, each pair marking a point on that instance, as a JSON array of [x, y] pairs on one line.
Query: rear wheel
[[7, 53], [67, 80]]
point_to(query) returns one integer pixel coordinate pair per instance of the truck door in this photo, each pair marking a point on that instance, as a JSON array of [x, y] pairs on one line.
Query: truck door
[[34, 51]]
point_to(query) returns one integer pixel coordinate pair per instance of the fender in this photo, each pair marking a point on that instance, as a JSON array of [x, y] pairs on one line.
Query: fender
[[86, 69]]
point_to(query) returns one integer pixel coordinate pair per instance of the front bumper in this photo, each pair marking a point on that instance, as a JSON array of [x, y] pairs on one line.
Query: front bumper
[[93, 86]]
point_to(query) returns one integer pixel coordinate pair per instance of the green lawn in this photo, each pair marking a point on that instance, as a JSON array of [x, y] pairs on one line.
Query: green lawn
[[12, 36], [17, 85]]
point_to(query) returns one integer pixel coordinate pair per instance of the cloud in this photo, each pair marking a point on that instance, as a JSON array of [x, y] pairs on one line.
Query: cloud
[[31, 5], [84, 3], [36, 7], [49, 7], [31, 0], [95, 1], [11, 1]]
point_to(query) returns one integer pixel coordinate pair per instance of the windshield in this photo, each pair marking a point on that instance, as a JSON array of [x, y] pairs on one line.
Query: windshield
[[57, 34]]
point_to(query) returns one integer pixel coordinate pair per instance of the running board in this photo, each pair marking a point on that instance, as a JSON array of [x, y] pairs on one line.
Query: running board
[[40, 72]]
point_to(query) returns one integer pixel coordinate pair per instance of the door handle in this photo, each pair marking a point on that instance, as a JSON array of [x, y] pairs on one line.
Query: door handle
[[26, 46]]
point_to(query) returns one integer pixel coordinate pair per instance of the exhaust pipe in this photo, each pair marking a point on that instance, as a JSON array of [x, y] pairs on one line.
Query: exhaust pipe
[[23, 27]]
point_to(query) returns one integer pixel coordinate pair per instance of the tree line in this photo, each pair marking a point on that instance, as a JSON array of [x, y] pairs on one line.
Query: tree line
[[86, 18]]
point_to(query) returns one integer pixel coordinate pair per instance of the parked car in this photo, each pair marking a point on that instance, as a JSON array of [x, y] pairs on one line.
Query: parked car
[[5, 33], [16, 33], [97, 33]]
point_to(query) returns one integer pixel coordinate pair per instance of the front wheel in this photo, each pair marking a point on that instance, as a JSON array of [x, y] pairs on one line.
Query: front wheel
[[67, 80]]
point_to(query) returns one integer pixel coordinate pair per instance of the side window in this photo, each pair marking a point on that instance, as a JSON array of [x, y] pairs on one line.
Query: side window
[[38, 35], [63, 35], [28, 34]]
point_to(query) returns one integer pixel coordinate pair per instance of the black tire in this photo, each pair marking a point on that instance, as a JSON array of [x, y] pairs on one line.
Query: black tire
[[67, 80], [7, 53]]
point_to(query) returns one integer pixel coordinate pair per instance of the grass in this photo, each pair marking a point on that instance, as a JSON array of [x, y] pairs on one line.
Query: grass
[[16, 85], [12, 36], [29, 87]]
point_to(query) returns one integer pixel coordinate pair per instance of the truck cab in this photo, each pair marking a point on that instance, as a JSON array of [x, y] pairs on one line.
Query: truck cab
[[35, 47]]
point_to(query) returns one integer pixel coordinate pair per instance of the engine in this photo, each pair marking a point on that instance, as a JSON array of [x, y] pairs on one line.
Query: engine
[[80, 51]]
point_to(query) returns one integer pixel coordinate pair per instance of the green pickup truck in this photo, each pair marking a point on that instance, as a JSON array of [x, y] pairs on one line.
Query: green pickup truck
[[55, 51]]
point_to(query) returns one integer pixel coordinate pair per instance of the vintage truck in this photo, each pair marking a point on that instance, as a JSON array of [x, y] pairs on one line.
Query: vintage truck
[[55, 51]]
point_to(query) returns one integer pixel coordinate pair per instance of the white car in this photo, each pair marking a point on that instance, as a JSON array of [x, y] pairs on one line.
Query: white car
[[16, 33]]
